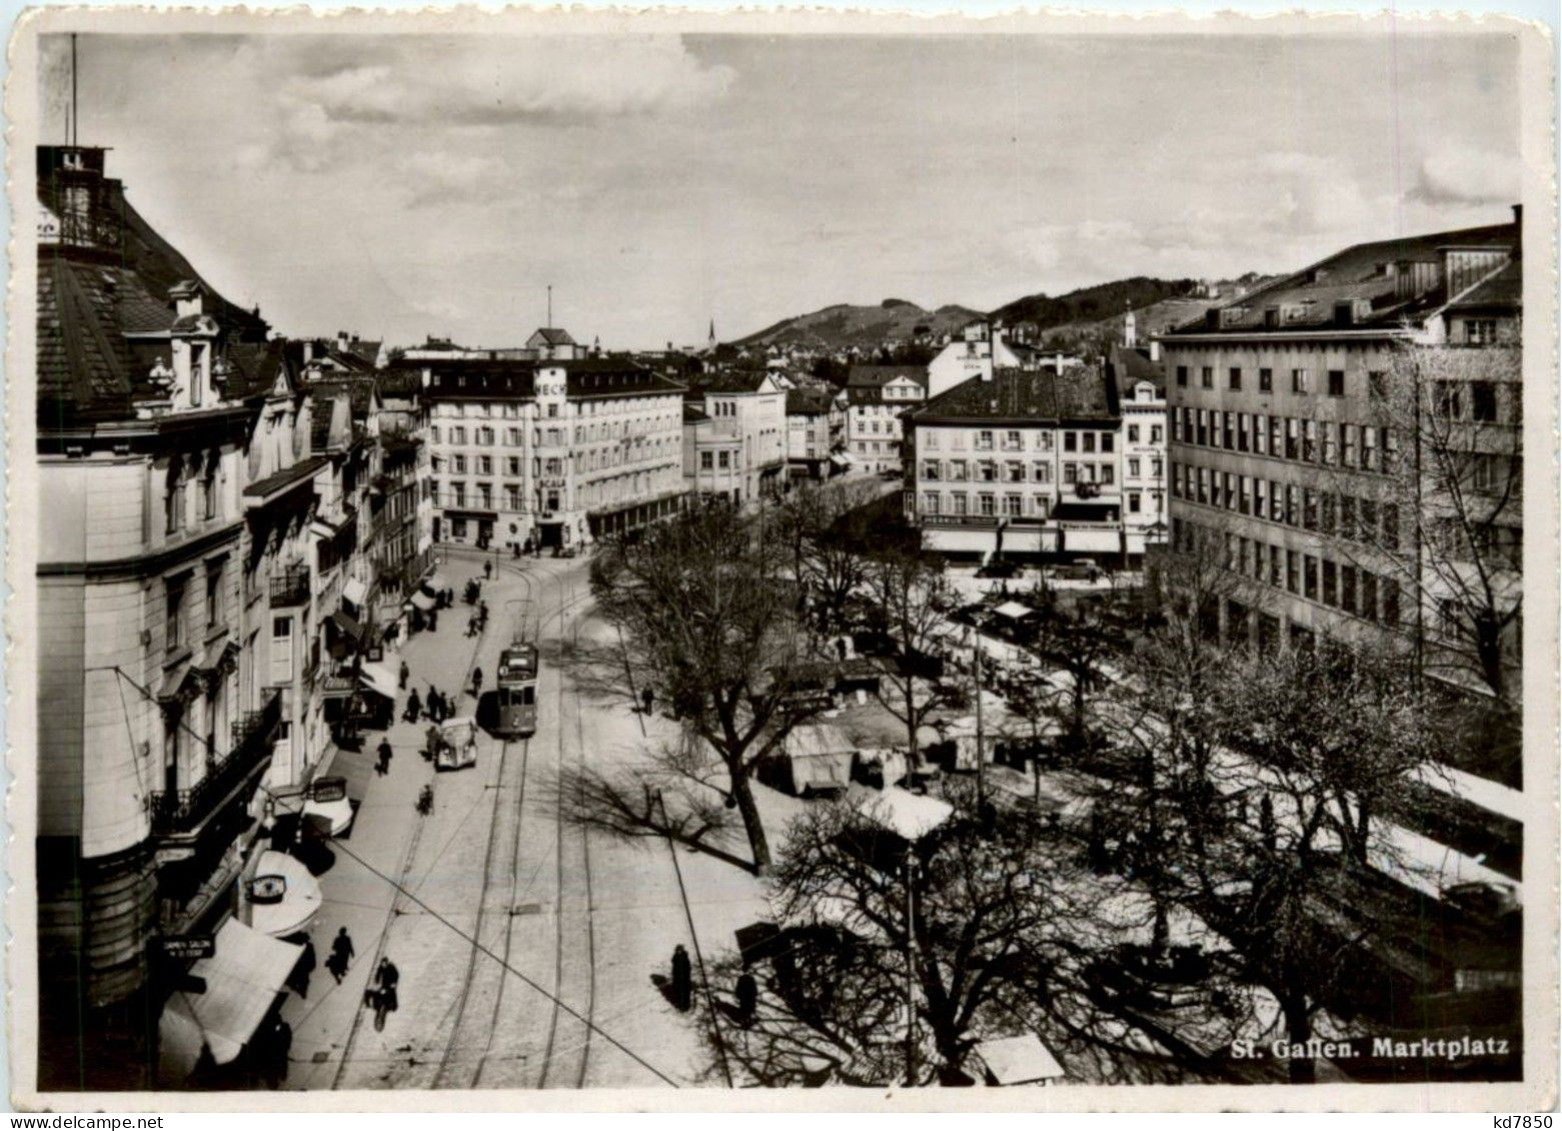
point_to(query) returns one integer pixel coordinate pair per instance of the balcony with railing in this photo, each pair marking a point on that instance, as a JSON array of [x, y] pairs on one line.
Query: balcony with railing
[[181, 813], [290, 586]]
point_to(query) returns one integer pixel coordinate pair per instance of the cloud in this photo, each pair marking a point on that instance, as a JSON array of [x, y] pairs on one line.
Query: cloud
[[1467, 176]]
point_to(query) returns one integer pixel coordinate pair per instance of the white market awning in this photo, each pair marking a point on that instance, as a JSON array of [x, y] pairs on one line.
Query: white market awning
[[422, 600], [354, 591], [300, 900], [380, 679], [243, 978], [331, 817], [1013, 610], [908, 815], [1019, 1060]]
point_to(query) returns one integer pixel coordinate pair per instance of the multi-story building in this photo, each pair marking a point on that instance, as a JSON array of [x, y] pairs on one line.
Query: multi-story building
[[735, 434], [1141, 392], [1026, 462], [550, 453], [815, 433], [1283, 445], [157, 714], [876, 398]]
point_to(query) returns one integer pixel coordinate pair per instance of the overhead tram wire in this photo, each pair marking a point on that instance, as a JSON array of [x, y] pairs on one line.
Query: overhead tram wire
[[435, 915]]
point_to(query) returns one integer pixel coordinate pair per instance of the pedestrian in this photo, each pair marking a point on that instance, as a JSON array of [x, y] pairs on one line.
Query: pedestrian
[[405, 673], [683, 979], [298, 981], [385, 757], [281, 1047], [647, 697], [840, 647], [488, 569], [341, 954], [748, 998], [388, 976], [414, 707], [440, 709], [477, 683]]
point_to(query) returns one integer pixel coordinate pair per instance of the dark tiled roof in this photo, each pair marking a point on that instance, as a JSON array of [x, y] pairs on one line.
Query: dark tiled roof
[[727, 381], [1504, 289], [554, 336], [1128, 365], [1355, 274], [256, 367], [877, 376], [584, 378], [399, 382], [809, 402], [693, 413], [82, 360], [321, 412], [1081, 393], [359, 390]]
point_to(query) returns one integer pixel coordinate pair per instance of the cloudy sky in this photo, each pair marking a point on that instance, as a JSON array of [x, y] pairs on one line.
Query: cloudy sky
[[400, 187]]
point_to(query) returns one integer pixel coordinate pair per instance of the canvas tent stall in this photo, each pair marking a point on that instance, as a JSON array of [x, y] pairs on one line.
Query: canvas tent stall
[[1013, 1061], [815, 759]]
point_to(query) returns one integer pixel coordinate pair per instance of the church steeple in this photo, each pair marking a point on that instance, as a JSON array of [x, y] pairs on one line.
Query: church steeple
[[711, 340]]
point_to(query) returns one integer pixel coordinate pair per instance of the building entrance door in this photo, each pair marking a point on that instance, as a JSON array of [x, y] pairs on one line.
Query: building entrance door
[[551, 534]]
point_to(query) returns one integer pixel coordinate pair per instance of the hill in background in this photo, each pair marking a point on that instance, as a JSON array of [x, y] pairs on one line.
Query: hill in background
[[843, 326]]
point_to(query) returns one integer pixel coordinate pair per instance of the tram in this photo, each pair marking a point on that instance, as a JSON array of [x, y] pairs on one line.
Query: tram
[[517, 691]]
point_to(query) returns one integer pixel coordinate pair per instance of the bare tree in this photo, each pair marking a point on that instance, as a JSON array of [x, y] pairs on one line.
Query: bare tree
[[1437, 516], [910, 596], [968, 924], [709, 624], [828, 530]]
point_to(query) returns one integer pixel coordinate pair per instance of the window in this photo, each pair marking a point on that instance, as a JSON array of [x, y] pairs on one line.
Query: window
[[1367, 518], [1155, 467], [1133, 502], [1108, 442], [1133, 469], [724, 460], [1070, 473], [1329, 595], [1182, 375], [1133, 433], [1348, 588], [1369, 449], [1040, 504], [173, 502], [214, 616], [1330, 447], [1041, 472], [1480, 331], [1299, 381], [929, 439], [1347, 517], [1388, 595], [1483, 402], [512, 497], [1266, 380], [1326, 512], [458, 528], [930, 502], [1293, 571], [512, 465], [988, 505], [1155, 434], [1207, 377], [1276, 567], [485, 465], [1241, 431], [1348, 445], [1369, 595], [1336, 382], [984, 441], [1012, 441], [960, 503], [957, 470], [553, 410], [485, 436], [1260, 498], [1276, 435], [1293, 505], [1070, 442], [1108, 473], [1449, 400], [173, 607], [1012, 505], [485, 496], [458, 493], [209, 490], [988, 471], [1235, 377], [1227, 432], [930, 469], [1309, 509], [458, 464], [1292, 437], [512, 436], [1016, 472], [457, 434]]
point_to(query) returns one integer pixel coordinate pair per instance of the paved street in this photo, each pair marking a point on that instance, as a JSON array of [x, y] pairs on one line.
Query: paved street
[[571, 928]]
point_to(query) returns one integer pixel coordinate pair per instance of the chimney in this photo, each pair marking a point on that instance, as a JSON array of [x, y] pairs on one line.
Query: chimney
[[187, 298], [1155, 349], [342, 341]]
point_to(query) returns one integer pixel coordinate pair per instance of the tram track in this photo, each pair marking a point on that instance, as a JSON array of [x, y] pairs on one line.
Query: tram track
[[556, 1070]]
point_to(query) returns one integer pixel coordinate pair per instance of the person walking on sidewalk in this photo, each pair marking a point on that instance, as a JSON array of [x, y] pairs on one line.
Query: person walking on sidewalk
[[405, 673], [488, 569], [683, 979], [477, 683], [647, 698], [414, 707], [341, 955], [383, 767]]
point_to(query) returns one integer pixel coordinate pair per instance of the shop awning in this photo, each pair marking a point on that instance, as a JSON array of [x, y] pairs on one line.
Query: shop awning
[[243, 979], [1019, 1060], [1013, 610], [379, 679], [348, 626], [422, 600], [300, 900], [840, 460], [355, 591]]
